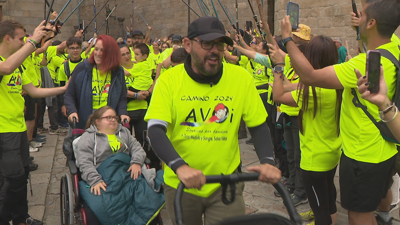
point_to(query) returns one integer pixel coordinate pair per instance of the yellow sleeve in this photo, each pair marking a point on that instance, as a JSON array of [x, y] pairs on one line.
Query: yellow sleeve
[[254, 113], [345, 71], [161, 101]]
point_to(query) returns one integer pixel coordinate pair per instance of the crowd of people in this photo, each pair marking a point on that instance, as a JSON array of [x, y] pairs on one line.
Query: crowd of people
[[184, 101]]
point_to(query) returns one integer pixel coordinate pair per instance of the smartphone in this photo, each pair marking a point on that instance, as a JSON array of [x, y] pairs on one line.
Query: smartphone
[[373, 70], [293, 10]]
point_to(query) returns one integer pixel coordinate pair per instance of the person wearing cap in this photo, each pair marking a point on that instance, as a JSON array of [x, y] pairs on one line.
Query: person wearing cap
[[175, 43], [341, 49], [193, 122]]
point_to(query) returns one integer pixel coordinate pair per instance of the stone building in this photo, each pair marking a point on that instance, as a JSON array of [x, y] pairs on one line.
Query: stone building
[[331, 18]]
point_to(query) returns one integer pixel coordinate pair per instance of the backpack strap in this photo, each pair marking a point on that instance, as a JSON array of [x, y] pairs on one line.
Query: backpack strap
[[385, 53], [67, 69]]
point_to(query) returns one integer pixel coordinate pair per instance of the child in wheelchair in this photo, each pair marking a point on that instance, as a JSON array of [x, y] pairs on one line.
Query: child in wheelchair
[[106, 139]]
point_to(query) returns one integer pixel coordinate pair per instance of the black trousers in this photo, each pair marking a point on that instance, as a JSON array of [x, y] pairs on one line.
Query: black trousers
[[14, 166], [52, 113]]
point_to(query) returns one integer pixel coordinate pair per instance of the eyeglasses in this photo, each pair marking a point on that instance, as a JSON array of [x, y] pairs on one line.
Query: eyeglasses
[[110, 118], [74, 49], [208, 45], [125, 54], [254, 43]]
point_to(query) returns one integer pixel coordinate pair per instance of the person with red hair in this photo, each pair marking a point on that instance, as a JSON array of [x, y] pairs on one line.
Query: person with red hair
[[96, 82]]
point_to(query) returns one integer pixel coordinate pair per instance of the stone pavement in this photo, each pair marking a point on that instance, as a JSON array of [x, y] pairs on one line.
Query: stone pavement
[[45, 202]]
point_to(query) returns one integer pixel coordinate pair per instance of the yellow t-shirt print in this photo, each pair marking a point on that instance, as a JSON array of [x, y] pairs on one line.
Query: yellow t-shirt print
[[100, 87], [115, 144]]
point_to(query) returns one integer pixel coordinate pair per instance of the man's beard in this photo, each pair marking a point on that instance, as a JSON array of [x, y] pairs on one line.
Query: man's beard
[[201, 64]]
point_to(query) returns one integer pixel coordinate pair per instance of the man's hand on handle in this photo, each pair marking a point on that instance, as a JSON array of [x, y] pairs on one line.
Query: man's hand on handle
[[268, 173], [190, 177]]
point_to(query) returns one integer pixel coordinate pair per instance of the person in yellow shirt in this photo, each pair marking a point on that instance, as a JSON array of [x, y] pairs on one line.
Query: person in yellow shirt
[[368, 158], [14, 146], [74, 50], [193, 122], [176, 42], [319, 130]]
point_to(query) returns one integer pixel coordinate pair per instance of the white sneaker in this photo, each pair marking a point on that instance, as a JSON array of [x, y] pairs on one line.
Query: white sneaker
[[33, 149], [35, 144]]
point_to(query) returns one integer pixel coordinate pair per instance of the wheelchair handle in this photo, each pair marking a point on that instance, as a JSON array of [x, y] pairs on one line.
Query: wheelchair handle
[[73, 122], [234, 178]]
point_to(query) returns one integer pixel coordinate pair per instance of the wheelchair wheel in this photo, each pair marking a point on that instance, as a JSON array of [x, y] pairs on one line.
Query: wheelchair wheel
[[66, 200]]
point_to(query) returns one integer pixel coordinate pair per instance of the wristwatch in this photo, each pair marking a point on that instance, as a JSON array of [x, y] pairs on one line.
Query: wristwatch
[[278, 69], [286, 40]]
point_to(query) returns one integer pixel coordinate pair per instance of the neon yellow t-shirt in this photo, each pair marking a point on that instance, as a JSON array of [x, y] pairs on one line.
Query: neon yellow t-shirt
[[115, 144], [320, 143], [30, 70], [84, 56], [290, 110], [100, 86], [62, 75], [37, 60], [12, 113], [362, 141], [133, 58], [54, 61], [164, 55], [259, 76], [395, 39], [203, 121], [244, 60], [141, 72], [287, 66], [133, 104]]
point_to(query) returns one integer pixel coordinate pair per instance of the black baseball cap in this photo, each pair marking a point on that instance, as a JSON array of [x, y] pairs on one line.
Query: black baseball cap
[[177, 37], [208, 29], [137, 32]]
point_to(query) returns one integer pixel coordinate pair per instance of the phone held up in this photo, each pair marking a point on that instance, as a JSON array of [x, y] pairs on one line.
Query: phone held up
[[373, 70], [293, 10]]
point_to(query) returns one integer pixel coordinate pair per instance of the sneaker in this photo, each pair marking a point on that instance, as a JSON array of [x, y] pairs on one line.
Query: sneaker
[[33, 149], [42, 130], [290, 190], [31, 221], [66, 129], [250, 141], [39, 140], [35, 144], [394, 207], [382, 221], [33, 166], [309, 215], [57, 132], [41, 136], [312, 223], [298, 200]]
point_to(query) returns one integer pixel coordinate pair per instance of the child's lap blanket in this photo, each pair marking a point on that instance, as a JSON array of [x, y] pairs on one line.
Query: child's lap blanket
[[126, 201]]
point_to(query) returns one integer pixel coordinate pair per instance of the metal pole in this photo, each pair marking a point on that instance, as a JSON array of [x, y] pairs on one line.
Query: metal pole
[[191, 8], [77, 7], [62, 10], [79, 17], [201, 8], [237, 17], [215, 10], [189, 15], [45, 9], [133, 17], [95, 15]]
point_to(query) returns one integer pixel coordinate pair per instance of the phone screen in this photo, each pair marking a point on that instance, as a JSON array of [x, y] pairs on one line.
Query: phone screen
[[293, 10], [373, 70]]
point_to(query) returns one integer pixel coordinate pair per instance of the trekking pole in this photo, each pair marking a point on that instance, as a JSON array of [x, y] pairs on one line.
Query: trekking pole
[[205, 8], [95, 16], [30, 183], [353, 4], [230, 20], [47, 3], [65, 20], [107, 18], [143, 18], [229, 11], [62, 10], [237, 16], [215, 10], [48, 14], [191, 8], [201, 8], [255, 18]]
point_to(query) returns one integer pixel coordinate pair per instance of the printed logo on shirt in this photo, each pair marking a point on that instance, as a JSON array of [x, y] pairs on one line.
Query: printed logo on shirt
[[219, 115], [106, 88], [14, 81], [259, 71]]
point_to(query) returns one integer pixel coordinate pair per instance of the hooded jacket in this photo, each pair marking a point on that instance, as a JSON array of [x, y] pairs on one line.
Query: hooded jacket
[[79, 98], [93, 148]]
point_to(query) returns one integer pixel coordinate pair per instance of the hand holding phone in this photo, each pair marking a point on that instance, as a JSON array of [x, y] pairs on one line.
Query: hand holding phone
[[373, 69]]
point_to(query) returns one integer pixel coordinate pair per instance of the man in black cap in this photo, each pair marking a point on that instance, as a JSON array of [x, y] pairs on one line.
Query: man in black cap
[[194, 116]]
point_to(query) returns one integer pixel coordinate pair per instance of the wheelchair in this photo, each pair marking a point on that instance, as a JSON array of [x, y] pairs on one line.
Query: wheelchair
[[72, 206]]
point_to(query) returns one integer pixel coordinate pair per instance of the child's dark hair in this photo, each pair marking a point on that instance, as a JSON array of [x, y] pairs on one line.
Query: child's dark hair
[[97, 115], [74, 40], [144, 49], [179, 55]]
